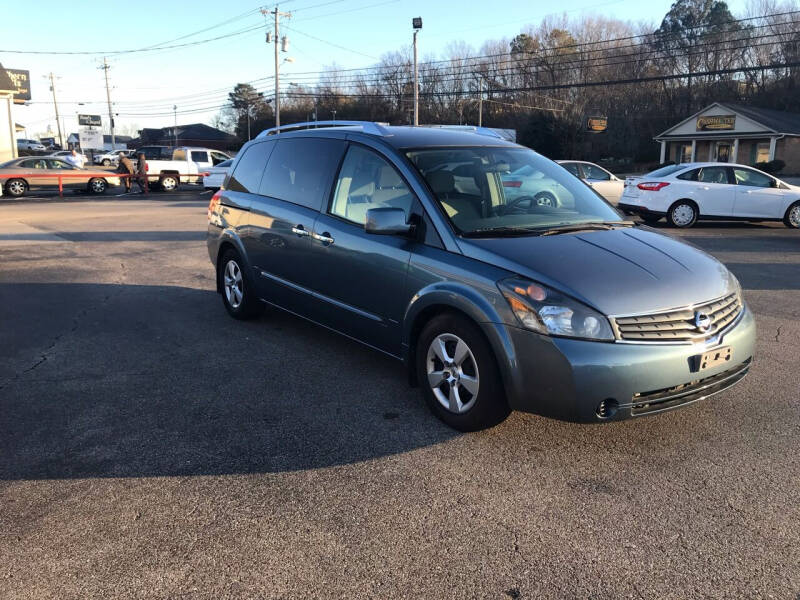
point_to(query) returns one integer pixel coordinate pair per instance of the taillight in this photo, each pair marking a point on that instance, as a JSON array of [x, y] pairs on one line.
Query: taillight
[[213, 203], [652, 186], [514, 184]]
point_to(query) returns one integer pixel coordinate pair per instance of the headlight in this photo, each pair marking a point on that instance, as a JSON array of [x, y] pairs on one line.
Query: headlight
[[547, 311]]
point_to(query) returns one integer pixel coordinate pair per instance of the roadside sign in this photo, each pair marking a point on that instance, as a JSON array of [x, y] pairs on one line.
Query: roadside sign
[[91, 138], [22, 82], [597, 124], [90, 120]]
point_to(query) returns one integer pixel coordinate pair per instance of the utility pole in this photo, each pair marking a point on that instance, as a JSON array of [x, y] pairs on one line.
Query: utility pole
[[55, 105], [105, 68], [276, 34], [175, 124], [416, 23], [480, 103]]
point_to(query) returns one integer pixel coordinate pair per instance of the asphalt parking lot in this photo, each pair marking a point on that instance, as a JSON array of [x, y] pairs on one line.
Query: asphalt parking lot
[[151, 446]]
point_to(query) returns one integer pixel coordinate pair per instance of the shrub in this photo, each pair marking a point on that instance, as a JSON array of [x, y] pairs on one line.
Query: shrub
[[772, 166]]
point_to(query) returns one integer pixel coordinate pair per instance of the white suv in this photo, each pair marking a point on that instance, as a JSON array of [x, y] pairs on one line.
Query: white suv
[[687, 192]]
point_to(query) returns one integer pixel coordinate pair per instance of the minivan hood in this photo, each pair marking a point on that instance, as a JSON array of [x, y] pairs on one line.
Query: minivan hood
[[622, 271]]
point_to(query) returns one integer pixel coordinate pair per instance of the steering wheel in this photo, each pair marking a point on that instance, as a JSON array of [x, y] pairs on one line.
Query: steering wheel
[[514, 208]]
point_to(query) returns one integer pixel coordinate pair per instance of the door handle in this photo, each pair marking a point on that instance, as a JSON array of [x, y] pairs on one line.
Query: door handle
[[298, 229], [325, 238]]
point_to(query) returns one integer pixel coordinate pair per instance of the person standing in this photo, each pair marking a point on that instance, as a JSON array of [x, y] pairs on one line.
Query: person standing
[[126, 167], [141, 173], [75, 159]]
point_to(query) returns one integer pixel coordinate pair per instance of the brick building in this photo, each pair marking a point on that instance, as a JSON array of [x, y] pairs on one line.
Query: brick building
[[727, 132]]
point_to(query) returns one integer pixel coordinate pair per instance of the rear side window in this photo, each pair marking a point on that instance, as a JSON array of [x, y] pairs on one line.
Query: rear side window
[[250, 168], [300, 170], [689, 175], [713, 175]]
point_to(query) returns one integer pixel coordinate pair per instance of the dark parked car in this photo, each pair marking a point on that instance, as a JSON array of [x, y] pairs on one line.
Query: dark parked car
[[403, 238]]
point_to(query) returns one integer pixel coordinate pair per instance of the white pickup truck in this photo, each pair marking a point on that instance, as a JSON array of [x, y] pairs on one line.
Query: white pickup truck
[[187, 166]]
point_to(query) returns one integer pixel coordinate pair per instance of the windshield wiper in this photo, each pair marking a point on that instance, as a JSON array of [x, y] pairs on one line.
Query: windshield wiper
[[489, 231], [571, 227]]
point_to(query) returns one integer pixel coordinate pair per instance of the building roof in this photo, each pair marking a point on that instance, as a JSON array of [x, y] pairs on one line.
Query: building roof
[[778, 120], [198, 132], [6, 85], [773, 121]]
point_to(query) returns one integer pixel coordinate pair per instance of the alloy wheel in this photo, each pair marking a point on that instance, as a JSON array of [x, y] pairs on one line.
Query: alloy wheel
[[232, 280], [452, 373], [16, 188], [98, 186]]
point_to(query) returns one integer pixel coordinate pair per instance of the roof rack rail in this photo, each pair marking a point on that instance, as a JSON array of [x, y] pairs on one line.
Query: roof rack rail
[[475, 128], [367, 127]]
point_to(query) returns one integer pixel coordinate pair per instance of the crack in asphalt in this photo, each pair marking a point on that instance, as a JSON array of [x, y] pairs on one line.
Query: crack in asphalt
[[45, 354], [777, 333]]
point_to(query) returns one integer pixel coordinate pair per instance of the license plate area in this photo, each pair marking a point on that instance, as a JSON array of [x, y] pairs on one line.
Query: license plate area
[[714, 358]]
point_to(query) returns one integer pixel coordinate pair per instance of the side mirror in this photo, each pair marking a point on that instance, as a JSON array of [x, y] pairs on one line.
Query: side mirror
[[386, 220]]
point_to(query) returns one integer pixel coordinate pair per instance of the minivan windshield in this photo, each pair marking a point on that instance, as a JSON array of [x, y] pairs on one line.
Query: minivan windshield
[[508, 191]]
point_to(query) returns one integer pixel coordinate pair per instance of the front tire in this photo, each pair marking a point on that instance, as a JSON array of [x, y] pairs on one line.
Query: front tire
[[545, 199], [97, 186], [792, 217], [458, 374], [682, 214], [106, 162], [16, 187], [238, 293]]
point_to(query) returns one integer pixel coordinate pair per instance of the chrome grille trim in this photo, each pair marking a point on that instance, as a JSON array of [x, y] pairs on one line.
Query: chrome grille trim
[[677, 326]]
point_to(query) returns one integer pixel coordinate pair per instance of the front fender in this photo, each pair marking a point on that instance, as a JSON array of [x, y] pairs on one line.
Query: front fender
[[479, 307]]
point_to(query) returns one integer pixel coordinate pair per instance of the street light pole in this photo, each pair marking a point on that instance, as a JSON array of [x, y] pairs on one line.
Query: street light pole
[[416, 23], [480, 103]]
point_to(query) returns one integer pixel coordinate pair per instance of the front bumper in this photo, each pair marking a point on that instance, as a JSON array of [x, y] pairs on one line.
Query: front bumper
[[568, 379]]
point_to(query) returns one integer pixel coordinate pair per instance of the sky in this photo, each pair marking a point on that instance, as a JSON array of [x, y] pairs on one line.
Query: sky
[[146, 85]]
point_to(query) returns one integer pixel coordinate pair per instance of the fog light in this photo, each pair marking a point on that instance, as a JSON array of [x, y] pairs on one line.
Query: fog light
[[607, 408]]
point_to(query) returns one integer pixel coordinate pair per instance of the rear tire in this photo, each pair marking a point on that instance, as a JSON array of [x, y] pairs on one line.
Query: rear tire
[[458, 374], [792, 217], [16, 187], [169, 183], [682, 214], [238, 292]]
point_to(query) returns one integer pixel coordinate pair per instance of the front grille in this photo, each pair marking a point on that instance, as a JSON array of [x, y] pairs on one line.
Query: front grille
[[679, 325], [659, 400]]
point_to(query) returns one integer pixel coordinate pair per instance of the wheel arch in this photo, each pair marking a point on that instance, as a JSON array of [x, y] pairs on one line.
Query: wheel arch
[[465, 302], [229, 241], [691, 201]]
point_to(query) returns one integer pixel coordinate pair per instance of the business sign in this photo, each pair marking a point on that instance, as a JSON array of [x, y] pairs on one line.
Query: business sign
[[716, 123], [22, 83], [90, 120], [90, 138], [597, 124]]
